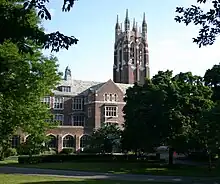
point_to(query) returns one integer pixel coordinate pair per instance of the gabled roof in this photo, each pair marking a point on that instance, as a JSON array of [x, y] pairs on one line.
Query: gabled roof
[[80, 87]]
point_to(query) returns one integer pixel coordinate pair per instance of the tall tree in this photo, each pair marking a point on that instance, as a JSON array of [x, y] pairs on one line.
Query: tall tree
[[24, 79], [212, 80], [209, 21], [166, 111]]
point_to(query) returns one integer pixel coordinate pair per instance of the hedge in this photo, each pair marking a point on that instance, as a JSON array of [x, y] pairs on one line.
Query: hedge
[[85, 158]]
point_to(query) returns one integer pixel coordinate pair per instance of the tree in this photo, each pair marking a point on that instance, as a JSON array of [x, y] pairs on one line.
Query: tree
[[166, 111], [106, 139], [24, 79], [212, 80], [28, 79], [209, 21], [14, 15], [209, 132]]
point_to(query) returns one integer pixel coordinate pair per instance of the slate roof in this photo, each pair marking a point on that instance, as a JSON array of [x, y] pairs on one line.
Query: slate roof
[[82, 87]]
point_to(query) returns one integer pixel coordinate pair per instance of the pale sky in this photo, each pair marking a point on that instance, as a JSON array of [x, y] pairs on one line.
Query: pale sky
[[93, 23]]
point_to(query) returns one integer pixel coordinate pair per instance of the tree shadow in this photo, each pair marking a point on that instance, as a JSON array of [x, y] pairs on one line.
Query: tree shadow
[[87, 181], [65, 182]]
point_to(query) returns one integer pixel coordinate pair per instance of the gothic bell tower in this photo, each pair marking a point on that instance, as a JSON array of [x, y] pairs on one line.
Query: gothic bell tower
[[131, 56]]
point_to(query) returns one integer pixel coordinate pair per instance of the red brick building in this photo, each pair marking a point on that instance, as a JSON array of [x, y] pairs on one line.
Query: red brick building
[[82, 106]]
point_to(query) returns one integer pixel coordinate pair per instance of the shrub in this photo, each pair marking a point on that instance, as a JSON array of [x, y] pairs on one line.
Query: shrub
[[10, 152], [200, 156], [67, 151], [84, 158]]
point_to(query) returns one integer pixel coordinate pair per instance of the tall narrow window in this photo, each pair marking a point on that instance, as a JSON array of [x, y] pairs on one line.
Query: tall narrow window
[[132, 53], [15, 141], [78, 103], [110, 97], [58, 103], [105, 97], [115, 97], [89, 112]]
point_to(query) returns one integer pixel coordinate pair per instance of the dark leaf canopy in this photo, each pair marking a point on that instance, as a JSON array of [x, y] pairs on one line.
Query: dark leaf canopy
[[15, 16]]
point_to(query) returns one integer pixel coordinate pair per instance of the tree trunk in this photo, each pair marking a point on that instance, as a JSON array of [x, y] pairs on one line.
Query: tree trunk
[[170, 156], [210, 161]]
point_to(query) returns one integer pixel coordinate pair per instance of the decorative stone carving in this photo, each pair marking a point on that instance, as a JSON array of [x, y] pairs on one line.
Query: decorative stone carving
[[141, 68], [123, 62], [133, 67]]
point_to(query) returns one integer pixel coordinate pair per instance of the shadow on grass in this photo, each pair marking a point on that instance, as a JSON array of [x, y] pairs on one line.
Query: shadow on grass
[[86, 182], [123, 168]]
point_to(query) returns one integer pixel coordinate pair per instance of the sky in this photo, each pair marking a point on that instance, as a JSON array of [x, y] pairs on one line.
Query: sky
[[93, 23]]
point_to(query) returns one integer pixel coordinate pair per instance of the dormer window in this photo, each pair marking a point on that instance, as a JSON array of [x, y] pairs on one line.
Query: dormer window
[[66, 89]]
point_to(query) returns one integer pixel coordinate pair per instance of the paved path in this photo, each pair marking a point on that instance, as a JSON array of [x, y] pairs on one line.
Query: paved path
[[106, 176]]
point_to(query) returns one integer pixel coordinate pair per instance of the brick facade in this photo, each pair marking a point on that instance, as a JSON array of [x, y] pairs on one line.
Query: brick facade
[[83, 106]]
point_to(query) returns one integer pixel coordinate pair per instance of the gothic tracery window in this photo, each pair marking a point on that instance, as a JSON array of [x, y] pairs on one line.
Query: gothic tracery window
[[141, 54], [132, 52]]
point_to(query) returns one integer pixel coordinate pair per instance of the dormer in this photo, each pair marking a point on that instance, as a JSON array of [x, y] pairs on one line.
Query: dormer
[[64, 88]]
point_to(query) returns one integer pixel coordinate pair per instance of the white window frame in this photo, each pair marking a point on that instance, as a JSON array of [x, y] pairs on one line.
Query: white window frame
[[78, 123], [89, 112], [62, 119], [60, 101], [46, 100], [109, 111], [111, 122], [77, 103], [66, 88]]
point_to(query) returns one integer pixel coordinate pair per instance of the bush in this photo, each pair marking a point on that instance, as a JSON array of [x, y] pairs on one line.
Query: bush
[[200, 156], [10, 152], [84, 158], [67, 151]]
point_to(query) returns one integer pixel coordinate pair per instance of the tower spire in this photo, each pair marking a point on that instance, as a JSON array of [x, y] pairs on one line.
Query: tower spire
[[144, 26], [127, 21], [117, 26], [134, 26]]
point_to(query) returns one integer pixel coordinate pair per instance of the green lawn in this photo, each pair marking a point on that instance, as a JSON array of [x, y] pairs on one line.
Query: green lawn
[[28, 179], [135, 168]]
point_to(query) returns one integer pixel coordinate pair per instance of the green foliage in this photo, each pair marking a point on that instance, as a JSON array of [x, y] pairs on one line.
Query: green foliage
[[85, 158], [208, 21], [25, 79], [105, 139], [10, 152], [166, 111], [67, 151], [18, 16]]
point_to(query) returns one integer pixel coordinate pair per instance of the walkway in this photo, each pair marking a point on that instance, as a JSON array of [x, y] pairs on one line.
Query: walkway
[[107, 176]]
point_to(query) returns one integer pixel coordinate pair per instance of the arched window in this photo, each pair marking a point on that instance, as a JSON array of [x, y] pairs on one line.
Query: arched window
[[68, 141], [15, 141], [110, 97], [105, 97], [84, 141], [52, 143], [115, 97]]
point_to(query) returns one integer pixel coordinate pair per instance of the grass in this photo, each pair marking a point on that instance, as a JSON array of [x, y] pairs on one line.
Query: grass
[[31, 179], [125, 168]]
